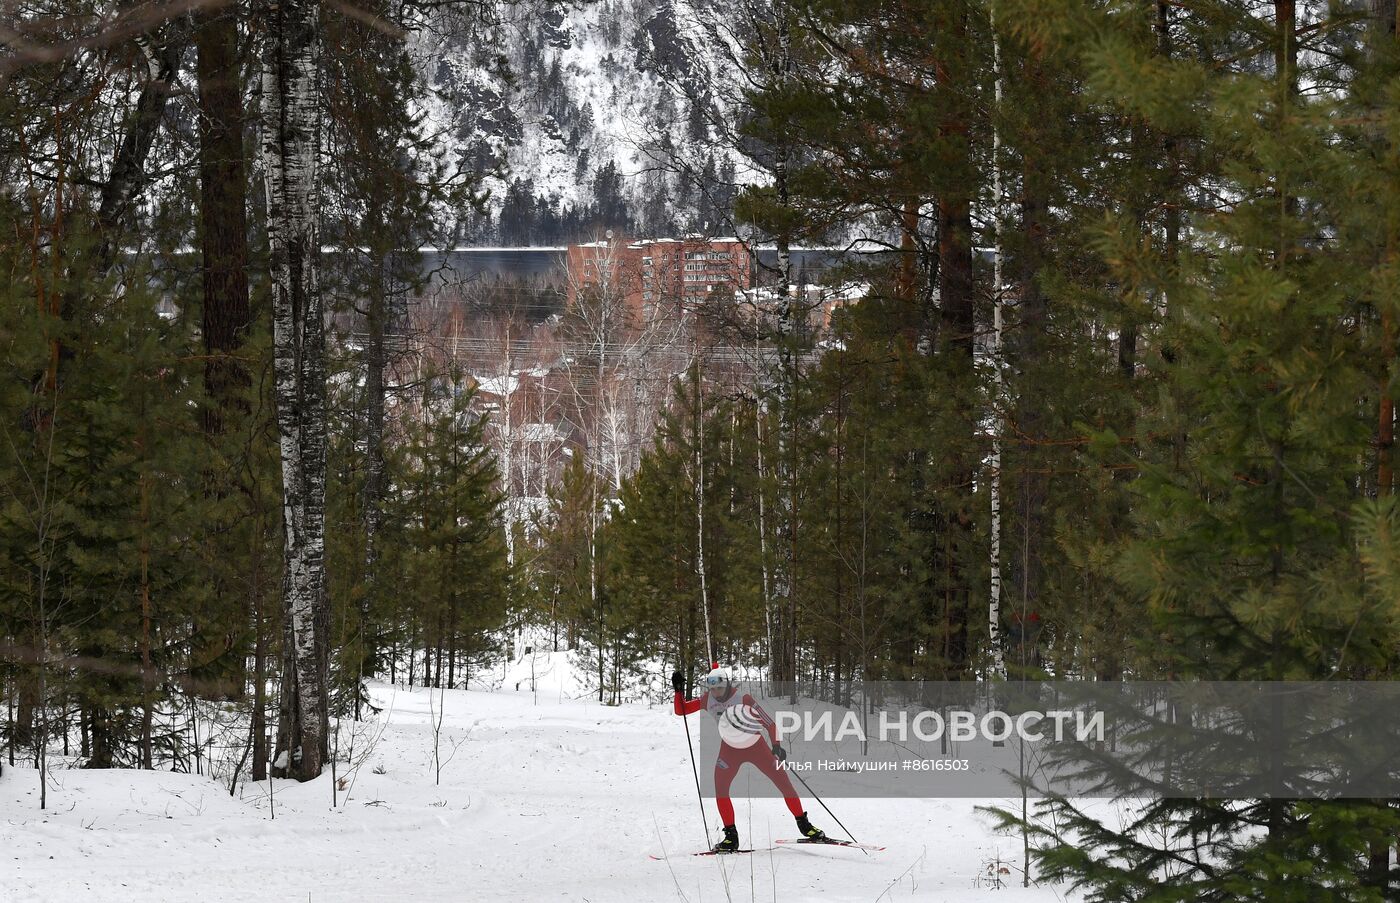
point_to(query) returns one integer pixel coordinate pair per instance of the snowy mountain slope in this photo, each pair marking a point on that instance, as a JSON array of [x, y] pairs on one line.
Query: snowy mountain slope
[[569, 109], [547, 800]]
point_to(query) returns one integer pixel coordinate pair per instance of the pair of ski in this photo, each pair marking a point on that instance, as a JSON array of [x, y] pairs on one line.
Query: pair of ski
[[829, 842]]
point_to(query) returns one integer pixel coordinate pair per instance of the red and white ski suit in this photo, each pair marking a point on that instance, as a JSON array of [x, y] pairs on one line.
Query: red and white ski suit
[[732, 758]]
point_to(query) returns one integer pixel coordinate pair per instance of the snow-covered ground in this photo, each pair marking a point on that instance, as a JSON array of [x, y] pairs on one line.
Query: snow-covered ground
[[542, 797]]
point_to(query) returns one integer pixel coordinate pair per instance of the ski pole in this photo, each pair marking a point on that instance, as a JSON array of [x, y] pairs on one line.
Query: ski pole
[[685, 722], [828, 810]]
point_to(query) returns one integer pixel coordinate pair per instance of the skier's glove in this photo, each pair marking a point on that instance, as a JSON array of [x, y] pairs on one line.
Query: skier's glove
[[779, 753], [678, 681]]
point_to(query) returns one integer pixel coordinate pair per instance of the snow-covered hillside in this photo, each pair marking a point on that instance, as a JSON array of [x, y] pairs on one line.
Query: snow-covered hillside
[[541, 797], [572, 107]]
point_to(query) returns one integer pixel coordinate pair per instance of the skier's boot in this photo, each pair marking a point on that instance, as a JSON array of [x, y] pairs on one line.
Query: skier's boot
[[730, 842], [809, 832]]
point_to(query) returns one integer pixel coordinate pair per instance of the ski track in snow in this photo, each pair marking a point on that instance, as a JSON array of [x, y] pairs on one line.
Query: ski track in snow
[[547, 798]]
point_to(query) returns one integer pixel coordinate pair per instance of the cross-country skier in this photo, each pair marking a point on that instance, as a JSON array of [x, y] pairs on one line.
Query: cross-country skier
[[743, 727]]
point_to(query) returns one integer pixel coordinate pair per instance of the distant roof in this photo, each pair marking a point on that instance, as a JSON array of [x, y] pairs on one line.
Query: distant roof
[[640, 244], [498, 385]]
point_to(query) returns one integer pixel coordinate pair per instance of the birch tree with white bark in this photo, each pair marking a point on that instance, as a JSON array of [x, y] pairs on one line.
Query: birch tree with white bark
[[291, 108]]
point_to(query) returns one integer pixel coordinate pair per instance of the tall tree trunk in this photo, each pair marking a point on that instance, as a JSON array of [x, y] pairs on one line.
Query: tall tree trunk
[[760, 413], [784, 571], [506, 431], [452, 620], [147, 671], [376, 323], [259, 718], [994, 639], [698, 484], [227, 315], [1385, 27], [223, 215], [956, 341], [1030, 348], [290, 134]]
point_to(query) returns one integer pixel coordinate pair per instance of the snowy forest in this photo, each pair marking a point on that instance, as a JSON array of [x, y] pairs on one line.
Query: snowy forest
[[1107, 394]]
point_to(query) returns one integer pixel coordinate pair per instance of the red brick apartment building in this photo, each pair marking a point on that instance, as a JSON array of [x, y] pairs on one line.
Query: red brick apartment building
[[649, 273]]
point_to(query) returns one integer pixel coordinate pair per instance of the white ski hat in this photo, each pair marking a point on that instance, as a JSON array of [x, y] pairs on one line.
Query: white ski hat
[[718, 677]]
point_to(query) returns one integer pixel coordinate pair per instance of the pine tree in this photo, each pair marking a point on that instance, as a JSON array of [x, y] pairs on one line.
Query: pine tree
[[104, 501], [1246, 504], [457, 565]]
